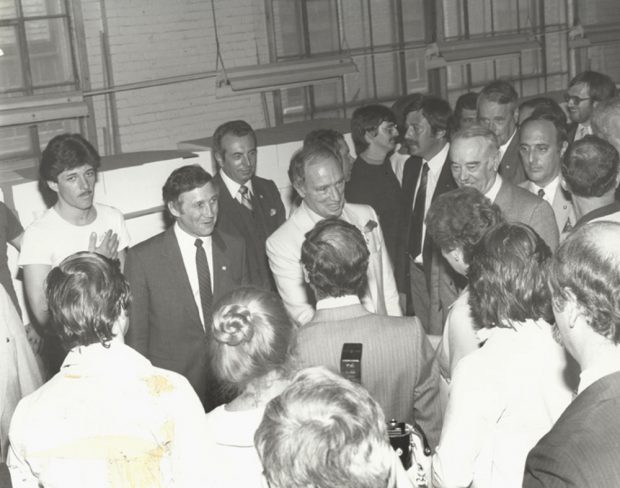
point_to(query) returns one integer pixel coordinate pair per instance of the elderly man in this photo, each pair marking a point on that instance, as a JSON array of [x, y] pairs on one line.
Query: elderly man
[[475, 161], [585, 92], [397, 362], [316, 173], [582, 448], [325, 431], [591, 175], [499, 112], [178, 275], [109, 418], [249, 206], [373, 182], [542, 143], [426, 176], [606, 124]]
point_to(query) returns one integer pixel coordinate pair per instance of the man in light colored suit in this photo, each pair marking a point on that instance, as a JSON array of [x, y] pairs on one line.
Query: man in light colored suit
[[316, 173], [582, 447], [542, 146], [474, 153], [397, 364], [174, 289]]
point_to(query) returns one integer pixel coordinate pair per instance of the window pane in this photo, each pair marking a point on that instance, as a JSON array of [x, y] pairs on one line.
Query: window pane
[[11, 74], [7, 10], [50, 52], [383, 17], [388, 75], [355, 24], [599, 12], [288, 31], [15, 142], [327, 95], [32, 8], [322, 26], [413, 20], [416, 71], [47, 130], [359, 86]]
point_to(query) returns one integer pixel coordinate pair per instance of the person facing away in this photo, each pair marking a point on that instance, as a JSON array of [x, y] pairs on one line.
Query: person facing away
[[109, 418]]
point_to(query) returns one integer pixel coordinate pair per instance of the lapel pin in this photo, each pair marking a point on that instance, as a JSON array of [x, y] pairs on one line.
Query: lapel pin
[[223, 268], [272, 212]]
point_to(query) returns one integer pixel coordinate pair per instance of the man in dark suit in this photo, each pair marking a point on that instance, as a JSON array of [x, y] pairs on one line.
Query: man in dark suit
[[585, 92], [582, 448], [397, 361], [474, 153], [177, 275], [498, 111], [249, 206], [426, 176]]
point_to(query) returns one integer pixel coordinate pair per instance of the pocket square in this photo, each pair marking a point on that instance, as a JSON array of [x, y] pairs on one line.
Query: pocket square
[[272, 212]]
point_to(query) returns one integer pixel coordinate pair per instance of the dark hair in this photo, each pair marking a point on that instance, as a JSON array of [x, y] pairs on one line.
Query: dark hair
[[238, 128], [506, 277], [253, 335], [435, 110], [306, 155], [66, 151], [545, 105], [467, 101], [368, 119], [601, 87], [326, 137], [587, 264], [559, 124], [335, 256], [86, 294], [184, 179], [459, 218], [590, 167], [400, 108], [499, 91]]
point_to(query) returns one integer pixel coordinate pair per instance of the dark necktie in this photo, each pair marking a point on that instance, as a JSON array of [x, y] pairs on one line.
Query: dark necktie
[[417, 216], [204, 282], [244, 197], [541, 193]]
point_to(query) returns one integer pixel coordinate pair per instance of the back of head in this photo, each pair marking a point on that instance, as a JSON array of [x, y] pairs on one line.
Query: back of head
[[335, 258], [237, 128], [308, 154], [66, 151], [601, 86], [467, 101], [590, 167], [500, 92], [184, 179], [606, 121], [86, 295], [324, 431], [506, 277], [253, 336], [459, 218], [586, 266], [368, 119], [327, 137]]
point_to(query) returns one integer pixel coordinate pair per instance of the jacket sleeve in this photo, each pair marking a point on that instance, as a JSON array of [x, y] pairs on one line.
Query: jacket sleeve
[[543, 222], [138, 331], [390, 291]]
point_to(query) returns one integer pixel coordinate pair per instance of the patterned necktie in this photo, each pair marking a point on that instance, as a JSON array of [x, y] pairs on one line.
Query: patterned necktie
[[541, 193], [417, 216], [245, 198], [204, 282]]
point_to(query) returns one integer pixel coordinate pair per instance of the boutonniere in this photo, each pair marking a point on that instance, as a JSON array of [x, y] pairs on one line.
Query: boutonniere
[[272, 212], [370, 226]]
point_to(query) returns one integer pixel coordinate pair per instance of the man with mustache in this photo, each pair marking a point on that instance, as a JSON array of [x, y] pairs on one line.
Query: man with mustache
[[74, 223], [426, 176], [177, 275], [316, 173]]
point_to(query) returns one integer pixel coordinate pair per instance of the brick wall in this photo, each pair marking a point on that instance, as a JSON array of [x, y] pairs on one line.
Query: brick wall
[[152, 39]]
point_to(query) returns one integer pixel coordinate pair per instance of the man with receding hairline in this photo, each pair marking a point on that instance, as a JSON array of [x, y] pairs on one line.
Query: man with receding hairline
[[582, 448]]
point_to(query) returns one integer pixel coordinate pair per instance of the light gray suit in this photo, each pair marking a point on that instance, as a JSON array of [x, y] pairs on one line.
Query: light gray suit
[[398, 364], [562, 208]]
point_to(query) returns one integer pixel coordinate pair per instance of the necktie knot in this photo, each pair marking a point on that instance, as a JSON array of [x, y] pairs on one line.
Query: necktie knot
[[245, 198], [541, 193], [243, 190], [198, 243]]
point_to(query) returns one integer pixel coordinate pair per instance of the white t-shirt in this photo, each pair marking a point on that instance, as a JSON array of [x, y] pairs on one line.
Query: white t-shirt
[[51, 239]]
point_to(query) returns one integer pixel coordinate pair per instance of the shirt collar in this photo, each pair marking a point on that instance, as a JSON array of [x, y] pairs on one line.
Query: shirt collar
[[549, 190], [335, 302], [187, 240], [494, 190], [503, 147], [315, 217], [435, 164], [233, 186], [606, 365]]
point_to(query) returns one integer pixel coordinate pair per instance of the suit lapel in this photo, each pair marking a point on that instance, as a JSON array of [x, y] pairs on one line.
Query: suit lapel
[[221, 266], [411, 173], [445, 182]]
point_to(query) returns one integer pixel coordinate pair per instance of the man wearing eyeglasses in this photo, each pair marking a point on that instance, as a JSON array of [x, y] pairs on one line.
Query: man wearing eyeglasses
[[585, 92]]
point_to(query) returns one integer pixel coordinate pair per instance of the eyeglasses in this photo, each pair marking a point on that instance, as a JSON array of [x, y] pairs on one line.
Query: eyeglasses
[[575, 99]]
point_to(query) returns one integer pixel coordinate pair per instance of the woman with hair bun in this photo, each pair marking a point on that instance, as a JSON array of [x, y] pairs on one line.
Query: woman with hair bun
[[251, 351]]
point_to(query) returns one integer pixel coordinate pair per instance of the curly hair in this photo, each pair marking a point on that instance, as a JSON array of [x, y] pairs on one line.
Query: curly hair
[[253, 335], [368, 119], [507, 281], [66, 151], [335, 257], [587, 264], [86, 294], [458, 219]]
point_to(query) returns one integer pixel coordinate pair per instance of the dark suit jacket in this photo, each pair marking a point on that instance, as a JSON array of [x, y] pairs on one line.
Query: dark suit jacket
[[511, 166], [164, 324], [571, 131], [437, 274], [519, 205], [583, 447], [398, 364], [254, 227]]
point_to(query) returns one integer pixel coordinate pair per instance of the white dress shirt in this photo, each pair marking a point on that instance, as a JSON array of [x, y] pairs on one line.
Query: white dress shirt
[[582, 131], [335, 302], [504, 397], [188, 253], [233, 186], [549, 190], [602, 367], [504, 147], [435, 165], [494, 190]]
